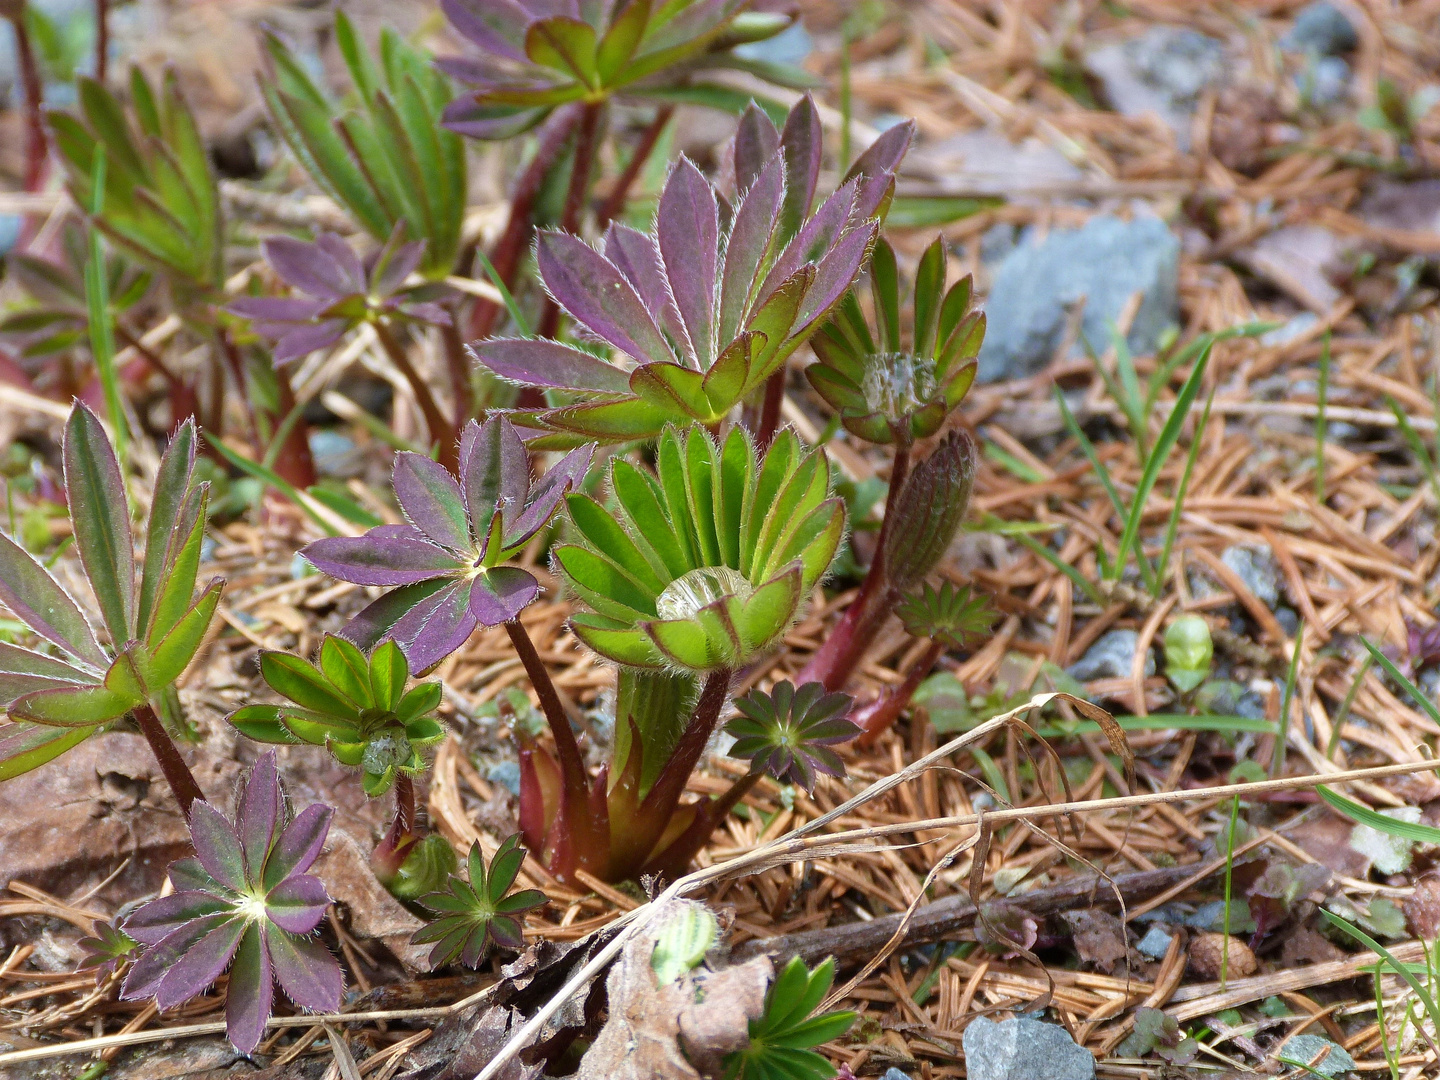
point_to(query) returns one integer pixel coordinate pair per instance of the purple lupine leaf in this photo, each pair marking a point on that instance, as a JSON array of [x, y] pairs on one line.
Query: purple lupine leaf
[[816, 236], [494, 474], [500, 594], [304, 340], [541, 362], [423, 311], [885, 153], [270, 902], [598, 296], [376, 619], [153, 922], [379, 560], [835, 274], [217, 846], [306, 971], [187, 875], [637, 257], [348, 267], [251, 993], [430, 498], [41, 603], [687, 228], [564, 476], [277, 309], [435, 627], [297, 904], [757, 142], [260, 820], [801, 143], [395, 262], [202, 963], [306, 267], [749, 245], [153, 964], [489, 24], [299, 845]]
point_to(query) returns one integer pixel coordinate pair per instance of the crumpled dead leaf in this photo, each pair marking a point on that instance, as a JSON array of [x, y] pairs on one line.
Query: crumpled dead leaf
[[680, 1031], [1422, 909], [1099, 938]]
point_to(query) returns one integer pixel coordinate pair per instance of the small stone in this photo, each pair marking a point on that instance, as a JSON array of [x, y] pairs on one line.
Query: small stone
[[893, 1073], [1162, 71], [791, 46], [1388, 854], [1024, 1049], [506, 774], [1037, 284], [336, 454], [1289, 620], [10, 228], [1324, 81], [1208, 955], [1304, 1048], [1283, 335], [1299, 259], [1156, 943], [1110, 658], [1255, 566], [1320, 28]]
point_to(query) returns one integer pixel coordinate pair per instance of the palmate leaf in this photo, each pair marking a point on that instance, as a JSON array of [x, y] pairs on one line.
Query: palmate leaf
[[25, 746], [781, 1039], [474, 915]]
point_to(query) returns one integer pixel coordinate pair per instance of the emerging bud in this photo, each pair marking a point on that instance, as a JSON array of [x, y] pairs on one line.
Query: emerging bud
[[1188, 652], [929, 510]]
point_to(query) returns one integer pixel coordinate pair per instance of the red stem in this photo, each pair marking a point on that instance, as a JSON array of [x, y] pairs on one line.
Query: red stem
[[177, 773], [231, 352], [677, 856], [881, 714], [572, 217], [459, 368], [614, 204], [102, 38], [505, 256], [442, 431], [35, 144], [294, 462], [670, 784], [836, 659], [770, 412]]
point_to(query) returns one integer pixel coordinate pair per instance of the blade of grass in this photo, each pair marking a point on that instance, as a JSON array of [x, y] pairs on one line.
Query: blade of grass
[[1388, 666], [278, 482], [1180, 357], [1277, 758], [1337, 724], [522, 325], [1416, 444], [1322, 395], [1165, 722], [1172, 527], [1229, 872], [97, 305], [1359, 812], [1010, 463], [1130, 383], [1065, 568], [1168, 434], [993, 775], [1403, 970]]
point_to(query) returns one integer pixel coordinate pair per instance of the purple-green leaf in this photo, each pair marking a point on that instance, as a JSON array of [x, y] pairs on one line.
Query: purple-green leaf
[[100, 514], [38, 600]]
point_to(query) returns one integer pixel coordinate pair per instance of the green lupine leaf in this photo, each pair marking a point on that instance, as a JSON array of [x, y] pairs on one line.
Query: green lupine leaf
[[388, 672], [604, 534], [420, 700], [82, 706], [673, 388], [605, 585], [25, 746], [567, 45], [261, 723], [173, 653], [172, 484], [347, 670], [682, 943], [687, 643], [615, 640], [299, 681], [101, 517], [769, 610], [180, 567]]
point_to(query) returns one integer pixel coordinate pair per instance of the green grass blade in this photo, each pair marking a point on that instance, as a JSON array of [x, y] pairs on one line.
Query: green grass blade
[[1172, 527], [97, 305], [1065, 568], [522, 325], [1386, 665], [1403, 970], [1156, 461], [1416, 444], [1338, 723], [1277, 759], [275, 480], [1358, 812], [1165, 722], [1101, 471]]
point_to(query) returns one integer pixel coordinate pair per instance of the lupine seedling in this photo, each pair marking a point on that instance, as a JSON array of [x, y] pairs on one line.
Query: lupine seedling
[[55, 702], [343, 292], [472, 915], [788, 733], [781, 1040], [244, 902], [447, 566], [699, 569], [1188, 652], [106, 950], [534, 56], [358, 708], [703, 315]]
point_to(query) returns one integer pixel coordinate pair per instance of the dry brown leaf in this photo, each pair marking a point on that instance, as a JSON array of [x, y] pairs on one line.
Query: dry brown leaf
[[1208, 955], [1099, 938]]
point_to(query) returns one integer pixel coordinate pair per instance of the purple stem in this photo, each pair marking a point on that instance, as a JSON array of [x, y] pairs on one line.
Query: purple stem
[[837, 658], [770, 412], [35, 144], [878, 716], [102, 38], [177, 773], [442, 431], [670, 784], [571, 218], [614, 204]]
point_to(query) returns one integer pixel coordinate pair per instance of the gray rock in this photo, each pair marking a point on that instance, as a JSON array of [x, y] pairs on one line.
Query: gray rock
[[1105, 262], [1305, 1048], [1162, 71], [1323, 81], [57, 11], [893, 1073], [1255, 566], [984, 161], [1156, 943], [1024, 1049], [1110, 658], [10, 228], [1320, 28], [790, 46], [506, 774], [1283, 335]]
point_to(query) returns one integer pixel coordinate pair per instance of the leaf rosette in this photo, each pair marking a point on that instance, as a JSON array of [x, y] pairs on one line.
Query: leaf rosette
[[697, 315], [474, 914], [446, 566], [703, 563], [355, 706]]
